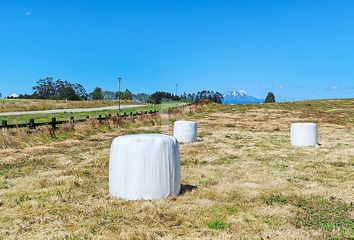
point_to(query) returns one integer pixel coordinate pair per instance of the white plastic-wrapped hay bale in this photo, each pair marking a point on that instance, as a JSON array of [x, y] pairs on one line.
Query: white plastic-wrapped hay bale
[[303, 134], [185, 131], [144, 166]]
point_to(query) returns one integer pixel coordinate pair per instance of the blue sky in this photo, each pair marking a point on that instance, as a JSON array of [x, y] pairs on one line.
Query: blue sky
[[297, 49]]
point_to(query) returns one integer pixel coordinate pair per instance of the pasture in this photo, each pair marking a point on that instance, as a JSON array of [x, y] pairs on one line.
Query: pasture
[[12, 105], [240, 180], [46, 117]]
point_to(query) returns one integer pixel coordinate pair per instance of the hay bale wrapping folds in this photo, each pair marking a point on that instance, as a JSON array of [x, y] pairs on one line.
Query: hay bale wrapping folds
[[144, 166], [303, 134], [185, 131]]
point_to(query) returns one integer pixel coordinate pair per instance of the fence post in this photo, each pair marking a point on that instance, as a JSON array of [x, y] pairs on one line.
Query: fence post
[[4, 124], [54, 122], [31, 124]]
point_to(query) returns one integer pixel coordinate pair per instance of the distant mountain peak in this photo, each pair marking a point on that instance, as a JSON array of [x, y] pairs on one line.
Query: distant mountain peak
[[239, 97], [235, 93]]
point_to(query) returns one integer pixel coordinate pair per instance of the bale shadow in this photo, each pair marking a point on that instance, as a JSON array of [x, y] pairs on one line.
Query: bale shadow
[[187, 188]]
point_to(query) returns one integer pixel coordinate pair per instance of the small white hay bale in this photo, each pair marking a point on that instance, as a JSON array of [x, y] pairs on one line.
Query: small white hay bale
[[303, 134], [185, 131], [144, 166]]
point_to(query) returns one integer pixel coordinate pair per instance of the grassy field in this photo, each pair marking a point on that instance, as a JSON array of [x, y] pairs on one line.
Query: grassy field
[[241, 179], [79, 115], [12, 105]]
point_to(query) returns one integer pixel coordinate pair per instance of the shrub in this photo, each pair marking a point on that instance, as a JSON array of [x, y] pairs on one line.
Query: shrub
[[270, 98]]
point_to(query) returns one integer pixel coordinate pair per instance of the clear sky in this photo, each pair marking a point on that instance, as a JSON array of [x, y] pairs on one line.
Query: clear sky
[[298, 49]]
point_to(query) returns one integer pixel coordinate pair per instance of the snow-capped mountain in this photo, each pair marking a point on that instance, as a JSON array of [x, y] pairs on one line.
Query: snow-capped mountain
[[239, 97]]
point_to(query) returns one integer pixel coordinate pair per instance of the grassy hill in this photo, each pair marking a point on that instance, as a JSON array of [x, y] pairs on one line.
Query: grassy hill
[[241, 180]]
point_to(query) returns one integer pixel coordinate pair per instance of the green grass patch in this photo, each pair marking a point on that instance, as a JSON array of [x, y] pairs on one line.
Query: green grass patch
[[217, 224], [331, 215], [275, 199]]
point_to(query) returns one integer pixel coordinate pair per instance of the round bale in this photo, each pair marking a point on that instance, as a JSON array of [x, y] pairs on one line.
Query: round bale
[[303, 134], [144, 166], [185, 131]]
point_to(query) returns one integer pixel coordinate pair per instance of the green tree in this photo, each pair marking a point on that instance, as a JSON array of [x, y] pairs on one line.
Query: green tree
[[47, 88], [126, 95], [68, 93], [80, 91], [97, 94], [270, 98]]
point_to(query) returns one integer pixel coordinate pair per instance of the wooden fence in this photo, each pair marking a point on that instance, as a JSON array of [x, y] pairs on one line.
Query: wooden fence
[[32, 124]]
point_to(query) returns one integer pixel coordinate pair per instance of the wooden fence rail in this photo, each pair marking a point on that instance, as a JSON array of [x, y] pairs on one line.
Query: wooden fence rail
[[54, 122]]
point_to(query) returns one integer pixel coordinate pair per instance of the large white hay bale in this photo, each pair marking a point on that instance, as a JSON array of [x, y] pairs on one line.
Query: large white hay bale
[[303, 134], [185, 131], [144, 166]]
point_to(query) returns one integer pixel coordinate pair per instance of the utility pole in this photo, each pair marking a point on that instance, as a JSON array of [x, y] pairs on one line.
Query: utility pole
[[119, 80], [176, 89]]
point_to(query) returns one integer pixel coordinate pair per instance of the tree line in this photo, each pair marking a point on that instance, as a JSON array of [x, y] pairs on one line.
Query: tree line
[[51, 89], [48, 88], [204, 95]]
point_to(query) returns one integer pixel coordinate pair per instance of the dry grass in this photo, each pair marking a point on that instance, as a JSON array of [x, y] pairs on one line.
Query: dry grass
[[12, 105], [241, 180]]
